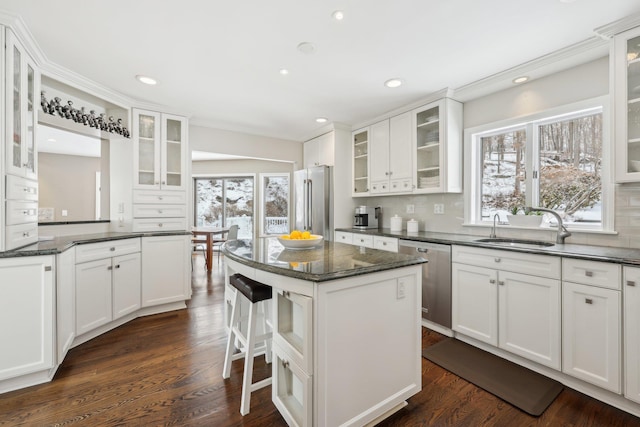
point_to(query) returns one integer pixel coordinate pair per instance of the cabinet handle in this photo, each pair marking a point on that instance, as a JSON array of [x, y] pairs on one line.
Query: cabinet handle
[[390, 173], [159, 211], [109, 268], [631, 283], [492, 281], [286, 294], [386, 173], [159, 197], [285, 364], [112, 249], [25, 234], [117, 265], [160, 225], [25, 212], [588, 273], [384, 243], [501, 282], [156, 183], [497, 259], [588, 300], [163, 182]]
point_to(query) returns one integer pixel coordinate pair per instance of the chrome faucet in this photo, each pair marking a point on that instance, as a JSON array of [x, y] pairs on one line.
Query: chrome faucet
[[563, 233], [493, 229]]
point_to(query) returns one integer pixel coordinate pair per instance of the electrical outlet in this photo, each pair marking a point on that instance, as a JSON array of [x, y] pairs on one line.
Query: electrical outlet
[[410, 209], [438, 208], [400, 290], [65, 212]]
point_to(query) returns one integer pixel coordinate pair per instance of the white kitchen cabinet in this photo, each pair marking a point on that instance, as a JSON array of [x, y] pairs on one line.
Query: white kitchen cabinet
[[291, 390], [631, 316], [385, 243], [360, 166], [437, 147], [391, 156], [591, 330], [27, 303], [626, 60], [65, 302], [319, 150], [344, 237], [492, 301], [22, 97], [160, 151], [365, 240], [166, 269], [108, 282]]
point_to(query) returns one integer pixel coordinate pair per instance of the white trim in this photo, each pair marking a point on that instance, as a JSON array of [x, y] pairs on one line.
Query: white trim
[[472, 156]]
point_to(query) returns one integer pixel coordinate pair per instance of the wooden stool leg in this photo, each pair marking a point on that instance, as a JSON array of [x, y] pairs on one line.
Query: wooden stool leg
[[245, 402], [235, 314]]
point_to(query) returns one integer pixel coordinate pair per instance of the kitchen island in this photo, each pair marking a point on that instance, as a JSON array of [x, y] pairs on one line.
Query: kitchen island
[[347, 330]]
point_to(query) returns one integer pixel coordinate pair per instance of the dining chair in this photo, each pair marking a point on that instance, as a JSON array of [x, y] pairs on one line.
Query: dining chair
[[232, 234]]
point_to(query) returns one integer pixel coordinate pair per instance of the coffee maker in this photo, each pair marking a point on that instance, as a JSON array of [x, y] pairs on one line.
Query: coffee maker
[[367, 217]]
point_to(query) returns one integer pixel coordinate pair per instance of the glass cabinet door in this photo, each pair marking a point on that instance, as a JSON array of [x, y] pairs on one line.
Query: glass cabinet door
[[147, 139], [30, 140], [173, 145], [360, 148], [428, 147], [633, 104]]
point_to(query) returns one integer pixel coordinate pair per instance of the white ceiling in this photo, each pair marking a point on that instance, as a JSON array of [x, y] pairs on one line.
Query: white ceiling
[[218, 61]]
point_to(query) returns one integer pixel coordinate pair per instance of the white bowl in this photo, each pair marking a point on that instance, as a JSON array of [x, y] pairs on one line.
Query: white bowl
[[315, 240]]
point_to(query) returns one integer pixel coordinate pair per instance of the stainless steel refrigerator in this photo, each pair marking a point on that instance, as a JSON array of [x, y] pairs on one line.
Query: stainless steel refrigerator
[[313, 202]]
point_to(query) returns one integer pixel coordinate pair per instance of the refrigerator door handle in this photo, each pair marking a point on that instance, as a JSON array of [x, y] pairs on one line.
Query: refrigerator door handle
[[309, 205]]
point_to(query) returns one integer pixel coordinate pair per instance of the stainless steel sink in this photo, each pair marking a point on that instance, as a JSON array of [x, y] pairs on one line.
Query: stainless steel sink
[[516, 242]]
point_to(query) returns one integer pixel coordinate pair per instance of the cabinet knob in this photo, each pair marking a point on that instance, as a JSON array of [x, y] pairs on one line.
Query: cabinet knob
[[25, 234], [159, 197], [501, 282], [631, 283], [118, 266], [286, 294], [497, 259], [159, 211], [492, 281], [588, 273], [112, 249], [386, 173], [285, 364], [588, 300], [109, 268], [160, 225]]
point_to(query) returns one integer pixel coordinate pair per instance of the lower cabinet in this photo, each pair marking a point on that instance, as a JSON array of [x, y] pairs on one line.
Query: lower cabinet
[[631, 290], [166, 269], [517, 312], [106, 290], [65, 301], [27, 312]]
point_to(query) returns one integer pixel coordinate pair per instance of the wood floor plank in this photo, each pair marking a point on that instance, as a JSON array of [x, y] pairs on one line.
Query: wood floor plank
[[166, 370]]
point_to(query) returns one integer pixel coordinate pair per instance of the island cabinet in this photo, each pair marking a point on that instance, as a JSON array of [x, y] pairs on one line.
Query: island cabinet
[[27, 312], [107, 282], [631, 316], [592, 323], [509, 300], [165, 269]]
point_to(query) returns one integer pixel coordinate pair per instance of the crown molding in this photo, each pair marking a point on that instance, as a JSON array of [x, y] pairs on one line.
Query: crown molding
[[619, 26]]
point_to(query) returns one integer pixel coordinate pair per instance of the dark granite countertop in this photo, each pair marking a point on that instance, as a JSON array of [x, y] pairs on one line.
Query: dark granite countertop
[[62, 243], [328, 261], [587, 252]]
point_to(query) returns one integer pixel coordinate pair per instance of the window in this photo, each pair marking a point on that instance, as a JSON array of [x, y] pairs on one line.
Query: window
[[225, 201], [553, 160], [275, 203]]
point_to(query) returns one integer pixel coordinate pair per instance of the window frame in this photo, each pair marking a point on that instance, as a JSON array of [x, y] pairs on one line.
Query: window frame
[[262, 201], [473, 159]]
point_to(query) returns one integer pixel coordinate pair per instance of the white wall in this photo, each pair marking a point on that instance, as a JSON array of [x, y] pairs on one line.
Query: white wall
[[586, 81]]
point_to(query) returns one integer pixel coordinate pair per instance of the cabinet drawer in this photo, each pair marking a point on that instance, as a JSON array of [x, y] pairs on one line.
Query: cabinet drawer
[[159, 197], [19, 188], [19, 212], [344, 237], [594, 273], [291, 390], [21, 235], [159, 211], [533, 264], [363, 240], [94, 251], [160, 224], [292, 328], [401, 186], [385, 243], [380, 187]]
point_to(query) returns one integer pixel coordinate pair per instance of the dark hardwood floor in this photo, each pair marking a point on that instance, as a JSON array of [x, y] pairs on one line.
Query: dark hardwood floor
[[166, 370]]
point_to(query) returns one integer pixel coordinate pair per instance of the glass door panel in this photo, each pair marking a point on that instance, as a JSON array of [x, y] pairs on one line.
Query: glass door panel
[[223, 202], [361, 162], [146, 150], [428, 148], [17, 103], [633, 104], [173, 152], [31, 122]]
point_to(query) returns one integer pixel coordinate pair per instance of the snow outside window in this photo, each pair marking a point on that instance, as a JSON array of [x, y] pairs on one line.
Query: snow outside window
[[275, 203], [555, 162]]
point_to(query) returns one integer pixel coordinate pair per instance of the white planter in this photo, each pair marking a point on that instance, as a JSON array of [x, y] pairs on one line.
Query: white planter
[[525, 220]]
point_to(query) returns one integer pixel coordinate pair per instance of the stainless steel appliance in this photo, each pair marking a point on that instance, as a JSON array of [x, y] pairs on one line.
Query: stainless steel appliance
[[436, 279], [313, 203], [366, 217]]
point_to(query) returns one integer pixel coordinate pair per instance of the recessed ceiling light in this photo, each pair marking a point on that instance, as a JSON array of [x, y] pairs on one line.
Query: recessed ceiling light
[[567, 1], [146, 80], [322, 120], [284, 71], [520, 79], [51, 139], [306, 47], [395, 82], [338, 15]]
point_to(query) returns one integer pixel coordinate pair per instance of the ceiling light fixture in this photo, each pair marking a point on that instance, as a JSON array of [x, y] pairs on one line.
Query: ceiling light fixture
[[51, 140], [338, 15], [146, 80], [322, 120], [284, 71], [520, 79], [395, 82], [306, 47]]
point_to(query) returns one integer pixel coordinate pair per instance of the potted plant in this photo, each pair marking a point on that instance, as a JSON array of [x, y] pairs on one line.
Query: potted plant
[[519, 218]]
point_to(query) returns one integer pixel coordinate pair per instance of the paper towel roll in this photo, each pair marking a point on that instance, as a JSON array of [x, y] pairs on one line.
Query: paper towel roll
[[396, 223]]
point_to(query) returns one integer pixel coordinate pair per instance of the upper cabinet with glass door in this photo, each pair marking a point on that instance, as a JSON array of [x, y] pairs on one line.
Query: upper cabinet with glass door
[[23, 81], [627, 105], [437, 145], [360, 150], [160, 152]]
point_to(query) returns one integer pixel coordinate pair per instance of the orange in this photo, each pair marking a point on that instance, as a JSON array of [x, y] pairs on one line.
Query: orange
[[306, 235], [295, 235]]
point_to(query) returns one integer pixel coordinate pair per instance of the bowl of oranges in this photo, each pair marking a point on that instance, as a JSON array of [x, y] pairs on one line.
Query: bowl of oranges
[[300, 240]]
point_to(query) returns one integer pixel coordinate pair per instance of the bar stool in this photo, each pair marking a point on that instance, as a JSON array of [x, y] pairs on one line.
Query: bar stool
[[255, 292]]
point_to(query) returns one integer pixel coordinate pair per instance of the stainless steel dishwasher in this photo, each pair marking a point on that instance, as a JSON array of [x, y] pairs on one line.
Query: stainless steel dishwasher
[[436, 279]]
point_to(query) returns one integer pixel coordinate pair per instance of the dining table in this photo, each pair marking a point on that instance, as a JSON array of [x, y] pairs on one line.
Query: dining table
[[208, 232]]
